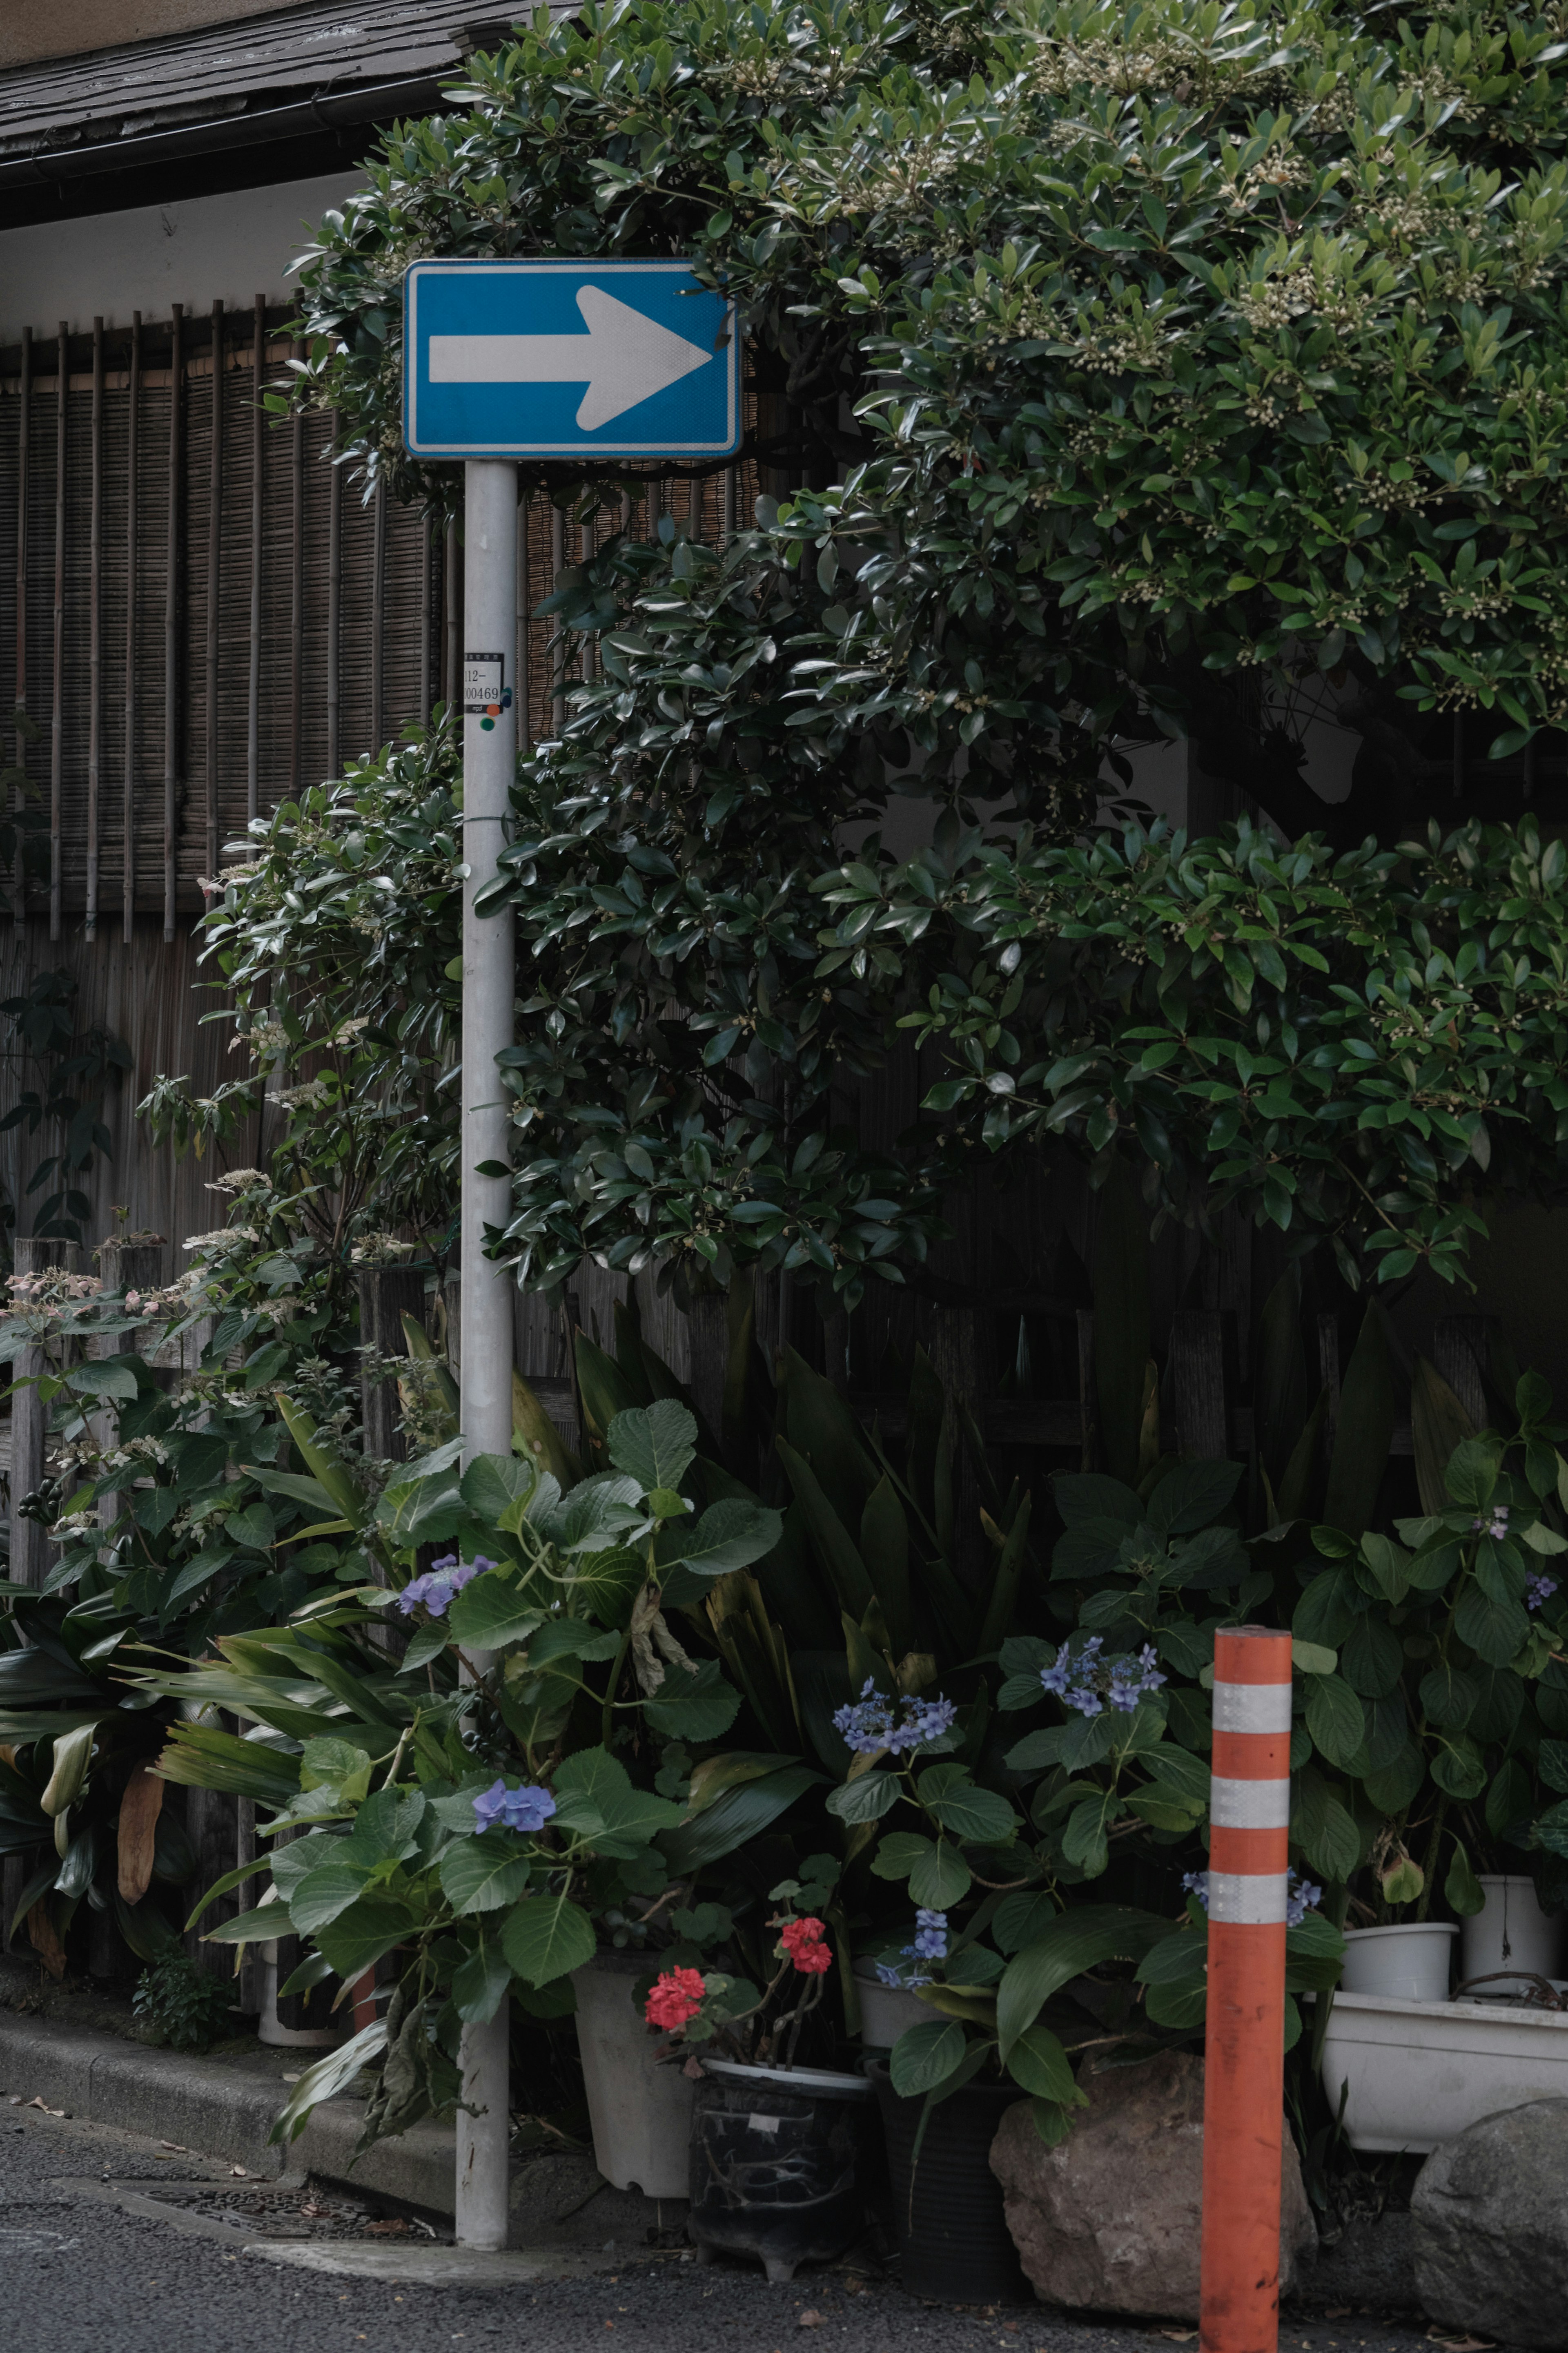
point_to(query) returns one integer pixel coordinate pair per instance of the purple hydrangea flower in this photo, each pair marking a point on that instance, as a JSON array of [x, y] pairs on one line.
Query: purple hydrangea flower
[[1494, 1524], [891, 1974], [925, 1720], [1301, 1895], [1084, 1680], [868, 1725], [1538, 1591], [930, 1936], [442, 1579], [528, 1808]]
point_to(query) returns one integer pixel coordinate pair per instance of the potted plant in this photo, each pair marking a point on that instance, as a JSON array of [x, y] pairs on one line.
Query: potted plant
[[778, 2148], [1458, 1726], [489, 1830]]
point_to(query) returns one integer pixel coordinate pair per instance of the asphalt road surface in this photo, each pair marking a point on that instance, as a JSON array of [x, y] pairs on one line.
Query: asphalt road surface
[[79, 2274]]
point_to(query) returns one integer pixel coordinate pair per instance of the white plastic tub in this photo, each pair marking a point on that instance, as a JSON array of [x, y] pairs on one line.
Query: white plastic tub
[[1420, 2071], [1511, 1931], [1408, 1962], [641, 2113]]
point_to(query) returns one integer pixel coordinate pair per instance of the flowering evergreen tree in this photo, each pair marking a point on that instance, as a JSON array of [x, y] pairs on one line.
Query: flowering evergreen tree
[[1155, 370]]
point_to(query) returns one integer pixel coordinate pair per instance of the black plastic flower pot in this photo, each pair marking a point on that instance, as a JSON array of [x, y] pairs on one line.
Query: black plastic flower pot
[[947, 2203], [778, 2162]]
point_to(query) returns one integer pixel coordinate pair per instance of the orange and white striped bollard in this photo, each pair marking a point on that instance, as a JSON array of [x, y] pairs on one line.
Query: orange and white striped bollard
[[1244, 2078]]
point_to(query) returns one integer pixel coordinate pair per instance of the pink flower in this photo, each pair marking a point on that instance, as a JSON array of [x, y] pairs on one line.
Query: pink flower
[[676, 1998]]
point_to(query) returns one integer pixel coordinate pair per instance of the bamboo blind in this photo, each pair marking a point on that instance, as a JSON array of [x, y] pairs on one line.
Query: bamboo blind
[[203, 618]]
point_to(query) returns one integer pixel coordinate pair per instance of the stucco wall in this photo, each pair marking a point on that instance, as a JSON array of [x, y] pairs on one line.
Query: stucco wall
[[32, 29], [226, 248]]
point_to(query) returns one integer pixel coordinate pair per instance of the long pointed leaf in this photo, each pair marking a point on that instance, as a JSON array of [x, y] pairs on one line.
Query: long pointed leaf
[[1438, 1423], [831, 1539], [326, 2079], [339, 1485], [1073, 1941]]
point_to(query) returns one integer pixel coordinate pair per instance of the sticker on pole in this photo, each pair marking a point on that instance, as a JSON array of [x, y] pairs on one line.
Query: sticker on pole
[[568, 359]]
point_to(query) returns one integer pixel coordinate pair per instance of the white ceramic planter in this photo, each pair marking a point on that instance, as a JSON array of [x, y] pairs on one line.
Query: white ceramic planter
[[1420, 2071], [1407, 1962], [1511, 1931], [641, 2113], [269, 2027], [887, 2011]]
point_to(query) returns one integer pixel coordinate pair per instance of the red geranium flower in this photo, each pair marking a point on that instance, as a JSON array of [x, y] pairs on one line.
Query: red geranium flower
[[801, 1940], [675, 1998]]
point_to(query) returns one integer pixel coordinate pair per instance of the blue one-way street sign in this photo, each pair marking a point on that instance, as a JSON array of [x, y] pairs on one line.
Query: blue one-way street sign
[[568, 359]]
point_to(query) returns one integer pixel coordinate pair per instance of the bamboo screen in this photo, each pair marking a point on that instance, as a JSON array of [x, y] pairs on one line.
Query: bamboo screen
[[133, 476]]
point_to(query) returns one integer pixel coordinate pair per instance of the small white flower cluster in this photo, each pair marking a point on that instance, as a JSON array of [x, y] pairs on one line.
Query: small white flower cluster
[[225, 1238], [1131, 69], [236, 1180], [1277, 172], [1484, 602], [268, 1037], [379, 1249], [140, 1450], [311, 1094], [1270, 302]]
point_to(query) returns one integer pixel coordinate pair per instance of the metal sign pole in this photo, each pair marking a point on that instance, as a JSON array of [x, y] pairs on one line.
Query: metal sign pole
[[1243, 2071], [490, 752]]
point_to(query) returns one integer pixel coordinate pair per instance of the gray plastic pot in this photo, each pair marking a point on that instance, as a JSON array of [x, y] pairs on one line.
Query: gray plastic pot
[[641, 2111]]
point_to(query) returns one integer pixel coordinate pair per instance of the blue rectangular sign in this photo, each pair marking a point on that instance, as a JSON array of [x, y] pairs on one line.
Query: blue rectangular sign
[[568, 359]]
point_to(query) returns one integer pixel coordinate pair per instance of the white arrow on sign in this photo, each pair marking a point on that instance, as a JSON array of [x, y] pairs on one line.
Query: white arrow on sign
[[626, 358]]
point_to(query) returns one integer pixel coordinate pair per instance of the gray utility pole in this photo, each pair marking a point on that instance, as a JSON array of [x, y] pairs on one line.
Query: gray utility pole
[[489, 755]]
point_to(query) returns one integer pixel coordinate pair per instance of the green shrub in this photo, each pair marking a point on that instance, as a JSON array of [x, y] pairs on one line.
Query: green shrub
[[181, 2005]]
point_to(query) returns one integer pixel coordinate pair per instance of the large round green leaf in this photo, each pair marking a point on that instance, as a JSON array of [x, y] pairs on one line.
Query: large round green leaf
[[924, 2056], [544, 1936]]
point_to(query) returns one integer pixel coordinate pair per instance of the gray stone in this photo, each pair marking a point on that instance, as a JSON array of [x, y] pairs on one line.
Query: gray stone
[[1490, 2216], [1109, 2219]]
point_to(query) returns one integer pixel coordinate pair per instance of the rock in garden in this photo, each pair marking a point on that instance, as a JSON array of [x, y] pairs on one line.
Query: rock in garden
[[1109, 2219], [1490, 2218]]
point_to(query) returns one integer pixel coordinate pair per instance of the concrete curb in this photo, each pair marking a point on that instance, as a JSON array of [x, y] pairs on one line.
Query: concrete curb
[[563, 2212], [219, 2108]]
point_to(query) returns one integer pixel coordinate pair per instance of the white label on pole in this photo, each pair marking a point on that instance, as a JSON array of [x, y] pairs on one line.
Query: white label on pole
[[1247, 1899], [1249, 1805], [1252, 1707], [484, 681]]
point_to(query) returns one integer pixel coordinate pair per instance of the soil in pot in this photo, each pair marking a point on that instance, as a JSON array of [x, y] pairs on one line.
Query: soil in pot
[[777, 2171], [947, 2203]]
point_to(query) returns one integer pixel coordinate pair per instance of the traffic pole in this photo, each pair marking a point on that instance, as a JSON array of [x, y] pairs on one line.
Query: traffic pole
[[1244, 2075], [490, 759]]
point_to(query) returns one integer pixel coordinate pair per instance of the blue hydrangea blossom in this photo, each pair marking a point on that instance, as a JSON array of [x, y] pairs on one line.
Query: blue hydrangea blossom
[[931, 1936], [441, 1580], [1301, 1895], [528, 1808], [871, 1727], [1086, 1680]]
